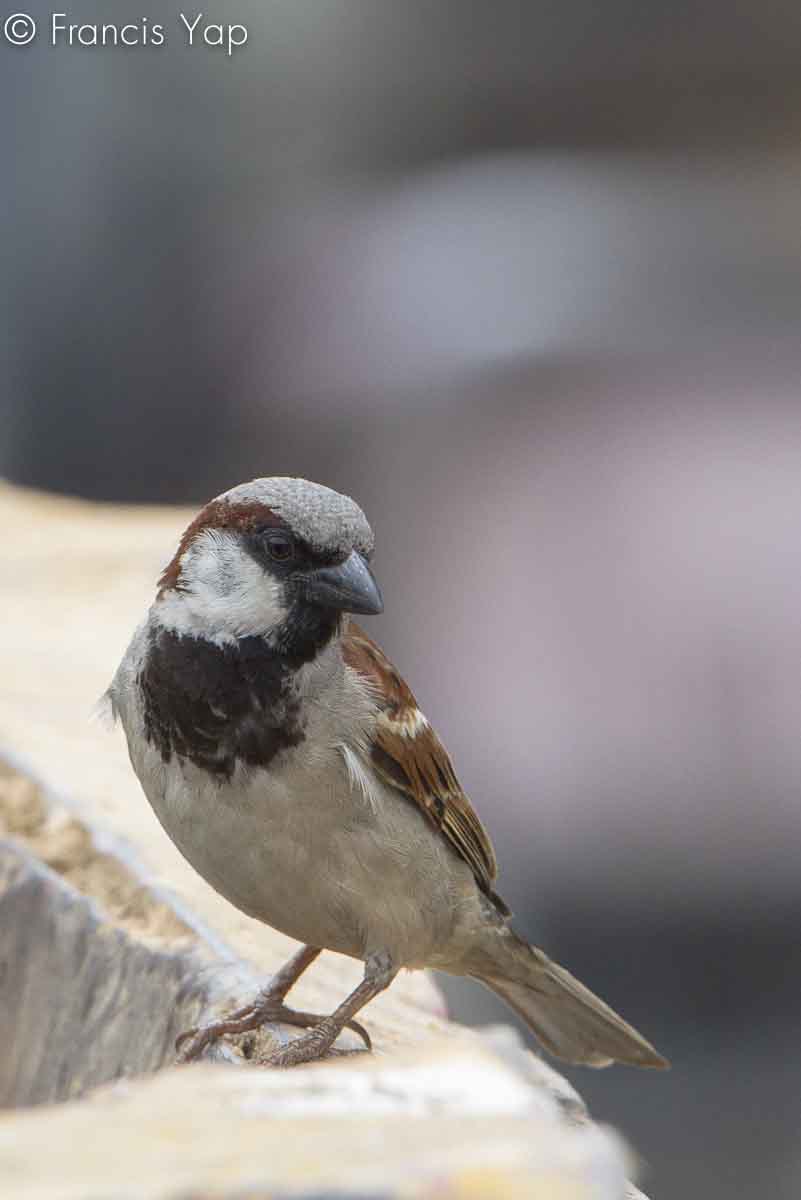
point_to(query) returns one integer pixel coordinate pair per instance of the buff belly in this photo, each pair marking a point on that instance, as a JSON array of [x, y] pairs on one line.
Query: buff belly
[[318, 861]]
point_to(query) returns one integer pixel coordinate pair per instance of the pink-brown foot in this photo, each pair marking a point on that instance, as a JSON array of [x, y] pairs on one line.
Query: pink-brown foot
[[309, 1047], [191, 1044], [379, 971]]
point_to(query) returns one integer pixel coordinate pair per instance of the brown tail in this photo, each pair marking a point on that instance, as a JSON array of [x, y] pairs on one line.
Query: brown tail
[[570, 1021]]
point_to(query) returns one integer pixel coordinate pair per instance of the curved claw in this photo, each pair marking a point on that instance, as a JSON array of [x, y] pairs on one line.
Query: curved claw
[[307, 1020], [362, 1032], [204, 1035]]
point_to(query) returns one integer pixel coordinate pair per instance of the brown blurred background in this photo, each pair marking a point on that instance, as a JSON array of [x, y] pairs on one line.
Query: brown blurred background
[[526, 281]]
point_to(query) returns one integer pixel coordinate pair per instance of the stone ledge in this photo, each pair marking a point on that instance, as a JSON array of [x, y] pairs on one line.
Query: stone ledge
[[453, 1121]]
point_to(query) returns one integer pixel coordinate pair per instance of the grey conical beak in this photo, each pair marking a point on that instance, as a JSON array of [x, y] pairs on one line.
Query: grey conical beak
[[349, 587]]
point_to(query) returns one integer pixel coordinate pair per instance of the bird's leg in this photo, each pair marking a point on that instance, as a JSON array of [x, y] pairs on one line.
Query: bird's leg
[[268, 1006], [378, 975]]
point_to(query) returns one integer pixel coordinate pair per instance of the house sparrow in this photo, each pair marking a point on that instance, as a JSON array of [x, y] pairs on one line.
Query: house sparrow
[[289, 762]]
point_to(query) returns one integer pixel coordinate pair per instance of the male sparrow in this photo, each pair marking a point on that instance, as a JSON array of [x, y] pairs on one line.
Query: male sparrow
[[289, 762]]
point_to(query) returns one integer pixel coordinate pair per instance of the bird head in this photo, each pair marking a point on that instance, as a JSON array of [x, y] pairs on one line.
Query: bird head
[[271, 558]]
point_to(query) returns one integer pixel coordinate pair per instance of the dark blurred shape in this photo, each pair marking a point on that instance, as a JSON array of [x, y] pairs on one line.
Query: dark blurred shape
[[151, 193]]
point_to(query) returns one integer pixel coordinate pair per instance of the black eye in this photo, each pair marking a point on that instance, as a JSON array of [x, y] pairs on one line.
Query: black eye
[[280, 547]]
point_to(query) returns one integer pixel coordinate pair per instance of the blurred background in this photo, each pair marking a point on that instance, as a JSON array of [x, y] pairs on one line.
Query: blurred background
[[525, 279]]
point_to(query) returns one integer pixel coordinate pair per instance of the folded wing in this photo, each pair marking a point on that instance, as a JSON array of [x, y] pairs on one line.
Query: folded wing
[[407, 754]]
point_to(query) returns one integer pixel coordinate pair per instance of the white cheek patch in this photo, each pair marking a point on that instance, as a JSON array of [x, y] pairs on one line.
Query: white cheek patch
[[223, 593]]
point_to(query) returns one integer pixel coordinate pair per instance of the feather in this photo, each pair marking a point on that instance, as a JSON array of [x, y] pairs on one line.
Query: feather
[[407, 754]]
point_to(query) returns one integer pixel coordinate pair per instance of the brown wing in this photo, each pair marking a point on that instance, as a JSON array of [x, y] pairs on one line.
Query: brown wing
[[408, 755]]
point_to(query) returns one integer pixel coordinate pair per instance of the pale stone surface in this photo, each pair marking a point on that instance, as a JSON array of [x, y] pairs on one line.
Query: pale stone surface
[[110, 943], [452, 1122]]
